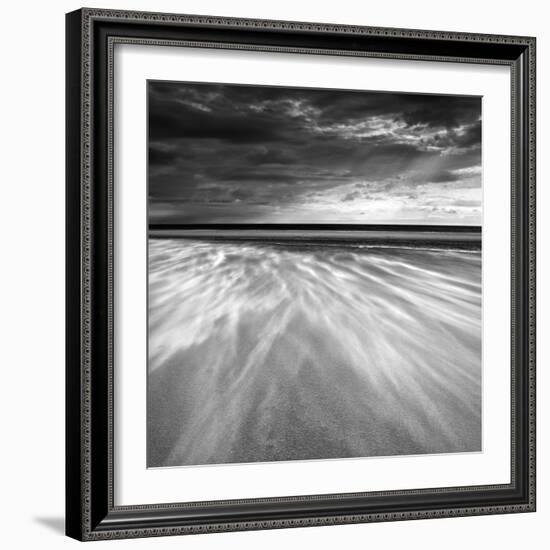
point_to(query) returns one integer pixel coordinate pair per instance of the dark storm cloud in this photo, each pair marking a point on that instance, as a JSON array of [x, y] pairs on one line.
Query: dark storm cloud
[[161, 157], [252, 153]]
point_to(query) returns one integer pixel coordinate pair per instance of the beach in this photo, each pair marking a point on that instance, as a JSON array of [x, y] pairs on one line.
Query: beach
[[302, 349]]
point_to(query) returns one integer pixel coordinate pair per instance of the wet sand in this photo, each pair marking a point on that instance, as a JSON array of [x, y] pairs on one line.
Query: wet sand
[[267, 352]]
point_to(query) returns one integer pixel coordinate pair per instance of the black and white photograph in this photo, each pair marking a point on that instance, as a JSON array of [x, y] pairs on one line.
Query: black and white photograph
[[300, 276], [314, 274]]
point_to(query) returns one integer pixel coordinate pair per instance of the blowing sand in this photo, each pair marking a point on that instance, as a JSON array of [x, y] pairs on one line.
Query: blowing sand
[[261, 352]]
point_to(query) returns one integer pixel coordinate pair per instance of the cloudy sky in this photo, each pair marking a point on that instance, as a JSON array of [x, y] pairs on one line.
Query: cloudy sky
[[255, 154]]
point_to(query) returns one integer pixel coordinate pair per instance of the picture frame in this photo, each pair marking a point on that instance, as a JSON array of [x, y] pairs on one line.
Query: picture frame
[[92, 512]]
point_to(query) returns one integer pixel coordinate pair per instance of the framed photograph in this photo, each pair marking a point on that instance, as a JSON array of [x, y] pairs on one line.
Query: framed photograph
[[300, 274]]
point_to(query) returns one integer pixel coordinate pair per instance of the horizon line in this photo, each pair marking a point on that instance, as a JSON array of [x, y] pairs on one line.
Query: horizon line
[[316, 226]]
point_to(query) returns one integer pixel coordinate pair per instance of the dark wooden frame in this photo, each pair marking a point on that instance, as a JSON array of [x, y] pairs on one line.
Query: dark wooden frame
[[91, 36]]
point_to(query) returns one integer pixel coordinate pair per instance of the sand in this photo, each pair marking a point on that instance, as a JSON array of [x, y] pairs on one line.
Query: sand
[[262, 352]]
